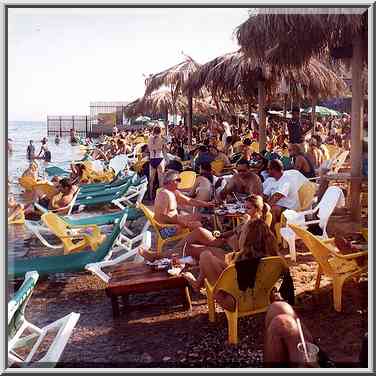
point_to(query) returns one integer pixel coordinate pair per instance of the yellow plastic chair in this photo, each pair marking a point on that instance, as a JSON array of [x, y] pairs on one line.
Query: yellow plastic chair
[[67, 234], [332, 263], [255, 146], [17, 219], [269, 218], [92, 176], [188, 178], [158, 227], [365, 233], [306, 195], [217, 166], [250, 301], [28, 182], [332, 150]]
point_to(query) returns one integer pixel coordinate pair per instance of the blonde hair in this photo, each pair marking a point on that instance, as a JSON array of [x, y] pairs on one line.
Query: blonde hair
[[258, 202]]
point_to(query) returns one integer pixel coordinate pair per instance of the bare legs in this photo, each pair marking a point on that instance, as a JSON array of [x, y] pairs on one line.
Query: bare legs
[[282, 336]]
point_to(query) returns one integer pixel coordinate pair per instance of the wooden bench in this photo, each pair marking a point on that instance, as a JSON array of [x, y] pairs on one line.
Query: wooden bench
[[137, 278]]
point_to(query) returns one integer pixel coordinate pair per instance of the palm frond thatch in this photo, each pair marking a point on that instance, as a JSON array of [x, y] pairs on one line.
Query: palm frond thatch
[[162, 101], [235, 76], [290, 36], [173, 77]]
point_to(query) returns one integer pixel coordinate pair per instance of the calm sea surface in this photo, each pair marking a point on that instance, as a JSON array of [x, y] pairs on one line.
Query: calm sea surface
[[21, 132]]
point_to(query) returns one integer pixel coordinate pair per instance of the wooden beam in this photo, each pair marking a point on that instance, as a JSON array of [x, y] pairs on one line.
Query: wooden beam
[[357, 107], [262, 115], [189, 118]]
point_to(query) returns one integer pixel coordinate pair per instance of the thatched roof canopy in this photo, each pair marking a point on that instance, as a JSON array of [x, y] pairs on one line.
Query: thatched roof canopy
[[173, 77], [161, 101], [235, 76], [290, 36]]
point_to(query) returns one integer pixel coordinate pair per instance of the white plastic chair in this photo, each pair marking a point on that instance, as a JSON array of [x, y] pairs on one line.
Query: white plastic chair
[[96, 268], [18, 325], [119, 163], [333, 165], [332, 198]]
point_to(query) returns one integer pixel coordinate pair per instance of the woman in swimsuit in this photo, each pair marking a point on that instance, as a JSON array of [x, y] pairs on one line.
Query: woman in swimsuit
[[157, 162]]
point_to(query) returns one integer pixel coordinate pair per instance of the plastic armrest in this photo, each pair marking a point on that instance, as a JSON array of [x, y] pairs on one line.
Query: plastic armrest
[[350, 256]]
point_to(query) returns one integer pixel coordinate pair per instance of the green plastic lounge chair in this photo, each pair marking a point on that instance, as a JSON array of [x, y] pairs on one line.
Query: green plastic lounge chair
[[29, 343], [98, 186], [125, 194], [74, 262], [105, 219], [104, 191], [56, 171]]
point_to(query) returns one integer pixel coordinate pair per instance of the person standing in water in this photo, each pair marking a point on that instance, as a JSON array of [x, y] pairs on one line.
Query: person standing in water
[[30, 151]]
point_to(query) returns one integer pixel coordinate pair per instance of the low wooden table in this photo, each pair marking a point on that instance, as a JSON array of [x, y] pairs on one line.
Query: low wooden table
[[135, 278]]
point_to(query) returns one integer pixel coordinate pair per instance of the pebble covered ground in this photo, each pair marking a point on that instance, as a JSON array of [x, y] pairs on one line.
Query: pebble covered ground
[[158, 332]]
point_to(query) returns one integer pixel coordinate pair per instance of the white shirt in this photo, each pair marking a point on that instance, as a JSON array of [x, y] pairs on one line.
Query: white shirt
[[287, 185]]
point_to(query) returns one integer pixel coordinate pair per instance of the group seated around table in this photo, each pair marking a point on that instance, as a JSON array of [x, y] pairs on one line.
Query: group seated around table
[[249, 242]]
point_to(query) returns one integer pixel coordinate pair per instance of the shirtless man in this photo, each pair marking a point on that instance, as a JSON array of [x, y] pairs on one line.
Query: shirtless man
[[57, 203], [244, 182], [166, 210]]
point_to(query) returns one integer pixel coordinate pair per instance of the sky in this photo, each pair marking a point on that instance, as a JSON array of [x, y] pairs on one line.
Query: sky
[[60, 60]]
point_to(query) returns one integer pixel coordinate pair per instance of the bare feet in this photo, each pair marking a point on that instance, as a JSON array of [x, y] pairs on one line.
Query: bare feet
[[225, 300]]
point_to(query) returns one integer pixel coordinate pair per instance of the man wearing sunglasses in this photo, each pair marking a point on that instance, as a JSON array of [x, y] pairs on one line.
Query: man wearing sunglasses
[[166, 206], [243, 183]]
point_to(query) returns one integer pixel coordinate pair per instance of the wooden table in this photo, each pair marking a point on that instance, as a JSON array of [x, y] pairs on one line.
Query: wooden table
[[137, 278]]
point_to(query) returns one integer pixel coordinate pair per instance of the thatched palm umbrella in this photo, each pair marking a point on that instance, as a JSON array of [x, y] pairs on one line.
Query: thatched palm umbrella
[[162, 102], [239, 77], [291, 36], [174, 78]]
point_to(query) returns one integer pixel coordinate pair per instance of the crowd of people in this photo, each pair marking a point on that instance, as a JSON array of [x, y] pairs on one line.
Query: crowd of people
[[266, 180]]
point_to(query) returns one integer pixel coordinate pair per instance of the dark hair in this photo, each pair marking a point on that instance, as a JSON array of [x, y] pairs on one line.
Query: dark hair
[[65, 183], [206, 166], [157, 130], [296, 109], [276, 165], [203, 148], [243, 162], [247, 142], [229, 139]]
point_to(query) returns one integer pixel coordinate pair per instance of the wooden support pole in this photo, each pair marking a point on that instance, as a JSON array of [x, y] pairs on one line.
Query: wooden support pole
[[357, 105], [313, 115], [189, 118], [262, 115]]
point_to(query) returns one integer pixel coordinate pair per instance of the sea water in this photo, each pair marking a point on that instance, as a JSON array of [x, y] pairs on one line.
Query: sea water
[[21, 132]]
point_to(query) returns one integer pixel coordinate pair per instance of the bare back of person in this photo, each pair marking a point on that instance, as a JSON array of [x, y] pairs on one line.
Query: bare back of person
[[250, 184]]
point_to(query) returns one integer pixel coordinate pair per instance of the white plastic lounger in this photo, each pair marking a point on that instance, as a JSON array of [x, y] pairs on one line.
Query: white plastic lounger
[[18, 325], [96, 268]]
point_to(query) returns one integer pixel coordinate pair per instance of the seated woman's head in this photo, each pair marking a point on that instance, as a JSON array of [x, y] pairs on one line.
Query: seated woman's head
[[254, 205]]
